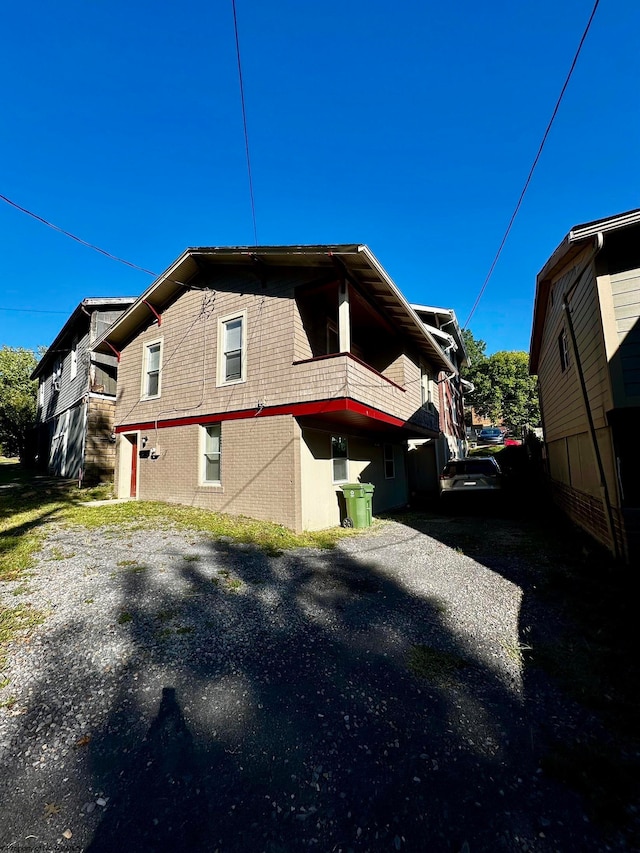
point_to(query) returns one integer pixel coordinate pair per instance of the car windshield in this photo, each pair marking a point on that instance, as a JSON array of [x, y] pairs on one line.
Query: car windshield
[[491, 432], [474, 467]]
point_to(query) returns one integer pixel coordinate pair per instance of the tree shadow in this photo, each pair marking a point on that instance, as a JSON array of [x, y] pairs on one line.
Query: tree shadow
[[576, 637], [301, 712]]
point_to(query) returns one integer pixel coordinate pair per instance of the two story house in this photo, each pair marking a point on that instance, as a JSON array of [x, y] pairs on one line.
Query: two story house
[[258, 380], [427, 457], [76, 396], [585, 348]]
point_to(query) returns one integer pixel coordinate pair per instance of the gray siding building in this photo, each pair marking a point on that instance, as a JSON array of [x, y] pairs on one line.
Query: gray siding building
[[76, 396]]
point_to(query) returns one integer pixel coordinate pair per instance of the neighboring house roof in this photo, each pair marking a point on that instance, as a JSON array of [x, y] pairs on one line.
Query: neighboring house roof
[[575, 241], [86, 306], [354, 261], [449, 318]]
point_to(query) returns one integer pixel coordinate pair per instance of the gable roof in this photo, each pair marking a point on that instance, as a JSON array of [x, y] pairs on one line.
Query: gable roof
[[355, 261], [80, 312], [575, 242]]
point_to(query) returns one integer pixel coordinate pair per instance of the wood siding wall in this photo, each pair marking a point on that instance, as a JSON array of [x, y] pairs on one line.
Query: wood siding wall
[[625, 292]]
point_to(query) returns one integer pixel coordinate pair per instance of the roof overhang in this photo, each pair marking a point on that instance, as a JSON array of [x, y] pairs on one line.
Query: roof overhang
[[575, 242], [84, 309], [355, 261]]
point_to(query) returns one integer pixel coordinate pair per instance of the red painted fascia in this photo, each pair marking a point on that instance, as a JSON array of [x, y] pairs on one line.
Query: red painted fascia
[[318, 407]]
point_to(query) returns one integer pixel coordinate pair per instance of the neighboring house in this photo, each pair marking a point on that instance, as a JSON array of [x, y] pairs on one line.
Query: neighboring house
[[585, 348], [258, 380], [427, 457], [76, 396]]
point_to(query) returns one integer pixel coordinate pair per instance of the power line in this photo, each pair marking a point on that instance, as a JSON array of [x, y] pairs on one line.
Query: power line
[[74, 237], [32, 310], [533, 166], [244, 121]]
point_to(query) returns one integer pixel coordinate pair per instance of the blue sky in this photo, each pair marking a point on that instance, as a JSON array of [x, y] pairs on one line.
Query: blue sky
[[406, 126]]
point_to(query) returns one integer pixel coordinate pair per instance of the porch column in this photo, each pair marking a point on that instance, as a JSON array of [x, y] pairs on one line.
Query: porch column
[[344, 318]]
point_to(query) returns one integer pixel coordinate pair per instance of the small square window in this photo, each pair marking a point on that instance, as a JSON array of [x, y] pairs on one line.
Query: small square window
[[339, 459]]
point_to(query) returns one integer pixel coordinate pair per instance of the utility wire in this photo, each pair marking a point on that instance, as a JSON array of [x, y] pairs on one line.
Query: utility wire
[[244, 121], [74, 237], [533, 166]]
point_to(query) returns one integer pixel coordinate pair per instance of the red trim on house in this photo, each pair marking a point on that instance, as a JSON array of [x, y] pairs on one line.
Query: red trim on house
[[319, 407], [356, 359], [153, 311]]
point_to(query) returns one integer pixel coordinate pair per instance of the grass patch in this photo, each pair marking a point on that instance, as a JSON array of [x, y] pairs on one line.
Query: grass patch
[[125, 617], [192, 558], [433, 664], [15, 621]]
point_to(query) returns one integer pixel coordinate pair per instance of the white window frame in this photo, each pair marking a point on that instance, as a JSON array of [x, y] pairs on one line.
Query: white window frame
[[74, 358], [389, 457], [204, 428], [222, 323], [41, 393], [145, 372], [56, 376], [334, 459], [425, 385]]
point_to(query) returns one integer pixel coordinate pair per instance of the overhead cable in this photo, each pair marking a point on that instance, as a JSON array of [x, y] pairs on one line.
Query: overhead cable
[[533, 166]]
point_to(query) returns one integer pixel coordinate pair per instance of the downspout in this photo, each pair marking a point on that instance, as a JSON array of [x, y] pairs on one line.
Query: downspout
[[604, 489]]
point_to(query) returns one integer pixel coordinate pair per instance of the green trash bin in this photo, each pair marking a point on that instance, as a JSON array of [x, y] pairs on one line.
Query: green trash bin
[[368, 496], [357, 497]]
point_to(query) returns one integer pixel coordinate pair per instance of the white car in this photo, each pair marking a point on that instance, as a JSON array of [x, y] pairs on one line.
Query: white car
[[470, 474]]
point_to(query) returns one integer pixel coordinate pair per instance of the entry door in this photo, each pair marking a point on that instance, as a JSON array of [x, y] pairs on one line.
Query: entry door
[[133, 439]]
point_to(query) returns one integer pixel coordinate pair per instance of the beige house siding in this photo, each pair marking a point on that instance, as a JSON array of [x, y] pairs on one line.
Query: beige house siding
[[560, 392], [321, 496], [625, 293], [262, 485]]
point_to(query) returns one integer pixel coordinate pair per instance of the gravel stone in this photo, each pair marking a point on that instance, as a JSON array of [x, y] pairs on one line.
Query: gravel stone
[[163, 706]]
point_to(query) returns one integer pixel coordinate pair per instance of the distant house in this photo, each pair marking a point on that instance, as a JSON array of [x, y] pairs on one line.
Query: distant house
[[585, 348], [427, 457], [259, 380], [76, 396]]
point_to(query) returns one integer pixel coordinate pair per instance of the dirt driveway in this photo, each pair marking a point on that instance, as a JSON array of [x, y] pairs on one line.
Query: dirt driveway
[[185, 694]]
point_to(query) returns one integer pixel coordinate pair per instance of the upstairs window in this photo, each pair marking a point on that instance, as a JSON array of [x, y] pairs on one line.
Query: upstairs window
[[425, 385], [56, 376], [74, 358], [339, 459], [232, 349], [563, 347], [151, 370], [212, 455]]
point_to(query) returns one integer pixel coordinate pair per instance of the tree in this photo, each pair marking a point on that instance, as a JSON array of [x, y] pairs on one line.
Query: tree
[[503, 389], [18, 393]]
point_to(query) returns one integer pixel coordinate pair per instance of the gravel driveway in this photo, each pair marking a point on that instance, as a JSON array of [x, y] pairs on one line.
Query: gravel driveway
[[190, 695]]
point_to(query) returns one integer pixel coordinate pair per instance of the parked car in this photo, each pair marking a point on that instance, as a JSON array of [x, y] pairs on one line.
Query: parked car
[[491, 435], [470, 474]]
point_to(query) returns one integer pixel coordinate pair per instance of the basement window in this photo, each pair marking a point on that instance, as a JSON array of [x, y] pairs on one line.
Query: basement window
[[211, 455], [339, 459]]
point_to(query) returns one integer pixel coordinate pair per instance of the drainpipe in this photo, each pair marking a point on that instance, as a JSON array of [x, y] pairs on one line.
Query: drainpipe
[[604, 489]]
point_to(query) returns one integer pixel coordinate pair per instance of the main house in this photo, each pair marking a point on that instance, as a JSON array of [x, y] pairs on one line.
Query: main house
[[585, 348], [258, 380], [76, 396]]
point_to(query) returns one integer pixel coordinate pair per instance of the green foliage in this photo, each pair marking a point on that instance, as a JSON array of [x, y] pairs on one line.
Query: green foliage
[[18, 395], [503, 389]]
